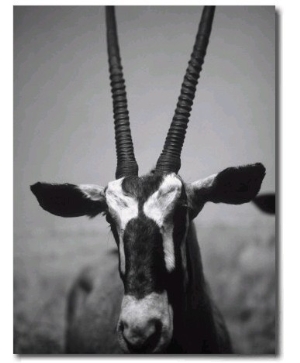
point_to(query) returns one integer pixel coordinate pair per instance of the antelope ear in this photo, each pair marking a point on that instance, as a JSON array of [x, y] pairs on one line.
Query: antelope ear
[[235, 185], [69, 200]]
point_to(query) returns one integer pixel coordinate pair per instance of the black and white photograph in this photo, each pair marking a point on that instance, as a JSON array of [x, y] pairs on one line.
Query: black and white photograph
[[145, 142]]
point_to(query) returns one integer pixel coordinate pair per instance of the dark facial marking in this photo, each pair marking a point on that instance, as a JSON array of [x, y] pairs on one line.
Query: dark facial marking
[[145, 269], [141, 187], [144, 256]]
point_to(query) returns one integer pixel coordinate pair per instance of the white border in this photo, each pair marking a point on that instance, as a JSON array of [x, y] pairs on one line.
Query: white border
[[289, 98]]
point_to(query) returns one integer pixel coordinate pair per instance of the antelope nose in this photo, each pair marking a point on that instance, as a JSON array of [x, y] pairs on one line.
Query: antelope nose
[[141, 335]]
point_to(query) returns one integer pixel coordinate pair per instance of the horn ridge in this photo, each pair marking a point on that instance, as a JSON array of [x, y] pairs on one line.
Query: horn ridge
[[169, 160], [126, 163]]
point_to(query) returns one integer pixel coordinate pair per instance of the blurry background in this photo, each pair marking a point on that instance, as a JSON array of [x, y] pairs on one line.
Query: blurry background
[[63, 132]]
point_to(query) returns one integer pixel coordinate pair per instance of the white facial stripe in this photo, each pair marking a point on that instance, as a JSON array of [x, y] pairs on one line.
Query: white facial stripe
[[159, 207], [161, 202], [183, 250], [168, 245], [122, 208], [121, 252]]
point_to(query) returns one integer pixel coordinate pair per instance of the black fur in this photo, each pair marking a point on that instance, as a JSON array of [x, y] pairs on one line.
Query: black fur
[[142, 187], [266, 203], [238, 185], [144, 256], [66, 200]]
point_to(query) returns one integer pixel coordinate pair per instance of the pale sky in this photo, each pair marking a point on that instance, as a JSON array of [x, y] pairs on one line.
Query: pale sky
[[63, 124]]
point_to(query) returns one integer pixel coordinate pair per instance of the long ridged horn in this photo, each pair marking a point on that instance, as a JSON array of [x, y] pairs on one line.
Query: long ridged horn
[[126, 163], [169, 160]]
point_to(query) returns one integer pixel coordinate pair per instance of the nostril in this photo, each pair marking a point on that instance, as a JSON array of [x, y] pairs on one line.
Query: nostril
[[122, 326], [141, 337], [158, 325], [155, 327], [154, 333]]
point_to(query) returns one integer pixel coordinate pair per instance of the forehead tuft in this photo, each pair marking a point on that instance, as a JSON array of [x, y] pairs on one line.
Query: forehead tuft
[[141, 188], [145, 186]]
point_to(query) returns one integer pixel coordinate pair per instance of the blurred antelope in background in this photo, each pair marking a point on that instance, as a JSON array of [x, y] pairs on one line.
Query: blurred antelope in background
[[161, 302]]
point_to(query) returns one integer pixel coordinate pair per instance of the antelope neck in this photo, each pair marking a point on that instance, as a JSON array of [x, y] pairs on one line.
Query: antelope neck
[[193, 312]]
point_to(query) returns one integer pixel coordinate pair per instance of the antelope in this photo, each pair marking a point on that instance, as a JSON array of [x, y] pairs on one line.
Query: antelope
[[160, 302]]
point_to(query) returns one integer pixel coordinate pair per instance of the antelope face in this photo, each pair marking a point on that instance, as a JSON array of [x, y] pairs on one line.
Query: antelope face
[[149, 218], [142, 214]]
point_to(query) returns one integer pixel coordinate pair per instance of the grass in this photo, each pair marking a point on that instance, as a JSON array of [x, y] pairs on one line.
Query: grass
[[239, 263]]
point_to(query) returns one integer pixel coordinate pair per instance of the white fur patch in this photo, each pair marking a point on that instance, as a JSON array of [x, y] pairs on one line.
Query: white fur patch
[[183, 250], [122, 209], [159, 207], [93, 192], [121, 206], [137, 315]]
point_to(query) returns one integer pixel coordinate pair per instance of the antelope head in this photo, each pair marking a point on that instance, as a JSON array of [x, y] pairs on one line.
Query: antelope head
[[150, 215]]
